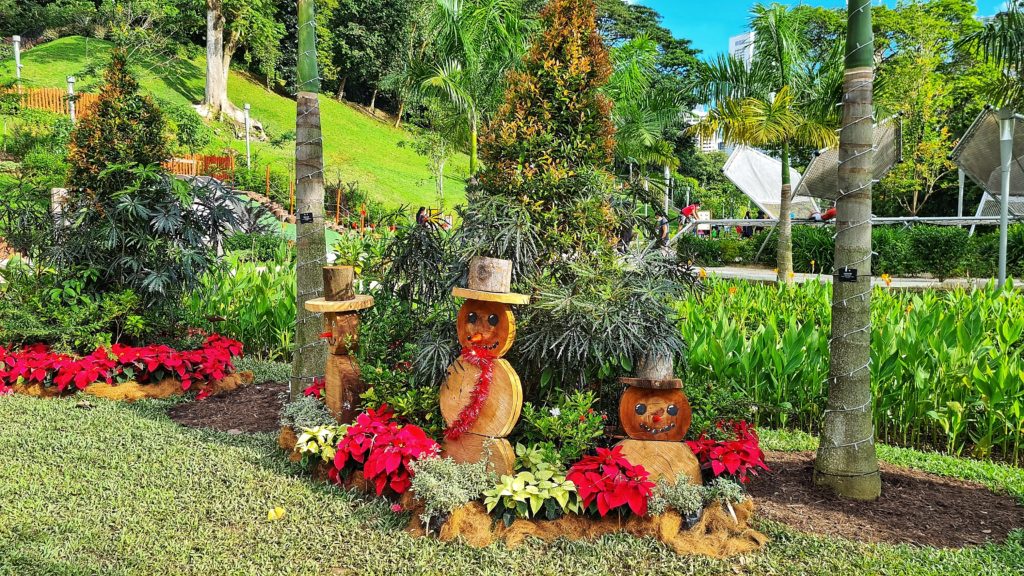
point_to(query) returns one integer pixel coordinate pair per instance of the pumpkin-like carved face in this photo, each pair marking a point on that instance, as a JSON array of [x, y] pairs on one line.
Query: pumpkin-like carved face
[[487, 325], [649, 414]]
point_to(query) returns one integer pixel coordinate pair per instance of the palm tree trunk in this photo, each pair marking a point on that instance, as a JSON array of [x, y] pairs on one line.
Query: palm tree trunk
[[784, 253], [440, 185], [472, 146], [846, 460], [310, 243], [373, 102]]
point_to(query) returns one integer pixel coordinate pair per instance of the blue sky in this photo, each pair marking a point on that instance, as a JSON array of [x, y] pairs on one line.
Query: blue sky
[[710, 23]]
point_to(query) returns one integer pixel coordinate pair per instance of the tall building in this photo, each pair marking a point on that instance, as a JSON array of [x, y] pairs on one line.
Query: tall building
[[742, 47], [711, 144]]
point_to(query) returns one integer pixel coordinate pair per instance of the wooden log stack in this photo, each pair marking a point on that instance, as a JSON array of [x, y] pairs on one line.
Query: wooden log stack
[[340, 307]]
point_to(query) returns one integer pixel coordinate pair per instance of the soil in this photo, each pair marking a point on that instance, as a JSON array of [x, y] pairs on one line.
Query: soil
[[250, 409], [915, 507]]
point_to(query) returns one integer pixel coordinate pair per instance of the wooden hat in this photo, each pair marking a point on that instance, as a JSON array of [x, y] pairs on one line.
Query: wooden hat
[[490, 279], [654, 371]]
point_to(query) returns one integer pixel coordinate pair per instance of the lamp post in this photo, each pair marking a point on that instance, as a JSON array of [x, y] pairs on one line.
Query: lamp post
[[248, 155], [71, 98], [16, 40], [1006, 126]]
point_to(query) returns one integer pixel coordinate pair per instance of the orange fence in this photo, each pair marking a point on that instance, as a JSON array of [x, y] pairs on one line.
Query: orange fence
[[219, 167], [56, 100]]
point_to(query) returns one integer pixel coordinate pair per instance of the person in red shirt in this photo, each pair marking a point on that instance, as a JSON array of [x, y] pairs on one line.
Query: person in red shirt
[[690, 212], [829, 214]]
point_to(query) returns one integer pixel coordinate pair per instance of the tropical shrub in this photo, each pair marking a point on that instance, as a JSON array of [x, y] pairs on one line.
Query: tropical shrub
[[256, 247], [607, 481], [383, 449], [732, 449], [189, 131], [893, 253], [940, 250], [528, 493], [572, 425], [946, 366]]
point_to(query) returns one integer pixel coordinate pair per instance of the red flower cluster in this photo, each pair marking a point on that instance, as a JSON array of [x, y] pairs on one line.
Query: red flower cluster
[[740, 455], [317, 389], [611, 481], [36, 364], [384, 448]]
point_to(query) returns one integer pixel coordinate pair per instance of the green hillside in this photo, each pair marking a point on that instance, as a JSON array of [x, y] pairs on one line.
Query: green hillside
[[356, 147]]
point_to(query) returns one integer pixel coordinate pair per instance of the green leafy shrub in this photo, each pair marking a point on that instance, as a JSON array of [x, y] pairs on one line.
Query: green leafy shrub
[[940, 250], [529, 493], [258, 247], [572, 425], [190, 133], [411, 400], [443, 486], [319, 443], [813, 249], [306, 412], [254, 179], [264, 370], [681, 496], [700, 250], [893, 253], [724, 491]]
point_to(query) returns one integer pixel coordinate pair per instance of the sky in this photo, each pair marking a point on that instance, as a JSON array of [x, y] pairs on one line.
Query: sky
[[710, 23]]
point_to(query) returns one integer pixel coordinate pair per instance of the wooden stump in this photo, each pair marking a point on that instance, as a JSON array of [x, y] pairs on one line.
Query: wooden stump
[[342, 387], [338, 281], [471, 447], [663, 459], [344, 329], [500, 411], [490, 274], [655, 367]]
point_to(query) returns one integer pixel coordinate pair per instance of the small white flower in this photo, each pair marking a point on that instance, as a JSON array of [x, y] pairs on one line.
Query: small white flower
[[556, 412]]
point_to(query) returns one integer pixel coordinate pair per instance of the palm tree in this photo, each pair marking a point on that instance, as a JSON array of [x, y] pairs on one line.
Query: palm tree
[[846, 460], [475, 43], [643, 113], [1001, 41], [310, 241], [780, 100]]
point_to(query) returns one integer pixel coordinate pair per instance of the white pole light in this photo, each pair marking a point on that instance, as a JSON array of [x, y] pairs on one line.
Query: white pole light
[[16, 40], [1006, 125], [71, 98], [248, 155]]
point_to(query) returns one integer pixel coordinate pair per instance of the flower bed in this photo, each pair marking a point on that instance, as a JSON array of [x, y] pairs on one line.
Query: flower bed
[[601, 493], [122, 372]]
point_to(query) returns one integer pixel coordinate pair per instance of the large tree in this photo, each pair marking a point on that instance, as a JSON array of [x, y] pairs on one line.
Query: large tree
[[846, 460], [310, 241], [781, 100]]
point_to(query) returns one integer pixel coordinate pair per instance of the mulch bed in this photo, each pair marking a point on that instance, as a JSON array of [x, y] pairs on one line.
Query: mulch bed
[[915, 507], [254, 408]]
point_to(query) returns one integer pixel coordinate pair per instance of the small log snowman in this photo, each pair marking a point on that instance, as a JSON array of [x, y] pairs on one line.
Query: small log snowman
[[655, 414], [482, 396]]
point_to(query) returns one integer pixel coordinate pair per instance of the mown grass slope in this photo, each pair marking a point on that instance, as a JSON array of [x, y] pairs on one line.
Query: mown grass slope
[[356, 147], [121, 489]]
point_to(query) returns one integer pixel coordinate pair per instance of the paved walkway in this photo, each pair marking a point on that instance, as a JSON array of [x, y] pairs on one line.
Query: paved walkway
[[905, 283]]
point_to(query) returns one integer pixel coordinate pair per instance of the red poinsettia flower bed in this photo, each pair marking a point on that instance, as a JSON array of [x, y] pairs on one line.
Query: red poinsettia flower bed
[[738, 455], [37, 364], [384, 448], [608, 481]]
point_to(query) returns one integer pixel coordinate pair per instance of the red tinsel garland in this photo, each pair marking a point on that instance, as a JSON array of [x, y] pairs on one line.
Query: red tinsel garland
[[484, 360]]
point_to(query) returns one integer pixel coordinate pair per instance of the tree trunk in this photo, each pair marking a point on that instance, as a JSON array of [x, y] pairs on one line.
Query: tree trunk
[[216, 95], [341, 88], [472, 146], [846, 460], [784, 253], [230, 47], [310, 244], [373, 102], [440, 186], [668, 188], [401, 110]]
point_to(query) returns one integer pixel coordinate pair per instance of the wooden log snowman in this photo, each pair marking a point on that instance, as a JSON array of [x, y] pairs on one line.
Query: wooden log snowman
[[482, 397], [655, 414], [340, 306]]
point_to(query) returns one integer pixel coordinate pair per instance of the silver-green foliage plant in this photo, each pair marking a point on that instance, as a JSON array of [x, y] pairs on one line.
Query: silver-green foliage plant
[[724, 491], [306, 412], [682, 496], [444, 485]]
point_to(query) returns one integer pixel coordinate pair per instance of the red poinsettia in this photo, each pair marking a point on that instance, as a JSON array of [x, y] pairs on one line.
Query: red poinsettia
[[610, 482], [738, 455], [316, 389], [385, 449]]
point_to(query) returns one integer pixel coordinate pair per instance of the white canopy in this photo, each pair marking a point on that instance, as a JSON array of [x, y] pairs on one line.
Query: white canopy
[[821, 178], [759, 176]]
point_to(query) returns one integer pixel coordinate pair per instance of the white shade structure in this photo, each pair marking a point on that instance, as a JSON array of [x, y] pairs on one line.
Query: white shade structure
[[821, 179], [759, 176]]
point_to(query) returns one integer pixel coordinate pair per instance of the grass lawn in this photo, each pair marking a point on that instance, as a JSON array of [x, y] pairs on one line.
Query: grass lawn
[[121, 489], [356, 147]]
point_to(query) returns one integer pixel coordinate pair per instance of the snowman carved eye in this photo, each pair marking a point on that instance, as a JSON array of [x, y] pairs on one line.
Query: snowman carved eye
[[492, 319], [673, 410], [471, 318], [641, 409]]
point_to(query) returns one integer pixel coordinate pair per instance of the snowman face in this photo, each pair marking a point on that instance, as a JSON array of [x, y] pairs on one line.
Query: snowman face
[[487, 325], [648, 414]]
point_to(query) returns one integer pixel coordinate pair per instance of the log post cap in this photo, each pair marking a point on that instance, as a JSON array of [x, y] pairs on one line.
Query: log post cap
[[338, 283], [490, 279]]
